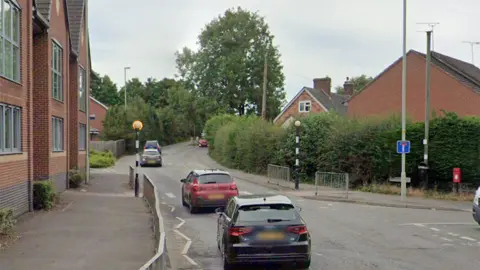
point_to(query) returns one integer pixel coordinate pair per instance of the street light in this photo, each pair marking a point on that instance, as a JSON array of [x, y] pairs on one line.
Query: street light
[[125, 78], [137, 126], [297, 153], [403, 175]]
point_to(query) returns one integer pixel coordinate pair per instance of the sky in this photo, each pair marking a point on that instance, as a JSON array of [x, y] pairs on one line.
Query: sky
[[316, 38]]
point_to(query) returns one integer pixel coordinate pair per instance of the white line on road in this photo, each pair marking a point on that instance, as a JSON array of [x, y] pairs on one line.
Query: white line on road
[[453, 234], [172, 208], [170, 195], [468, 238], [446, 239], [245, 192], [192, 262], [186, 247], [434, 229], [180, 224], [182, 235], [439, 223]]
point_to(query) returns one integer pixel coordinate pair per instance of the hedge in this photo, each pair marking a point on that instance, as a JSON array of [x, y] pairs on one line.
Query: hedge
[[103, 159], [364, 148]]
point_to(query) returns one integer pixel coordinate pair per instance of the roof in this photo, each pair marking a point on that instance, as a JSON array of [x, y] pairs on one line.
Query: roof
[[75, 12], [99, 103], [209, 171], [43, 7], [262, 199]]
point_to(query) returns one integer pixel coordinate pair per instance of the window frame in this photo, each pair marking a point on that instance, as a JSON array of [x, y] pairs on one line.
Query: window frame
[[57, 73], [82, 81], [15, 129], [305, 103], [14, 42], [80, 139], [58, 132]]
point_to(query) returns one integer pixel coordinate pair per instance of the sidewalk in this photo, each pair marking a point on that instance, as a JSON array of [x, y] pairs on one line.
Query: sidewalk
[[307, 191], [100, 227]]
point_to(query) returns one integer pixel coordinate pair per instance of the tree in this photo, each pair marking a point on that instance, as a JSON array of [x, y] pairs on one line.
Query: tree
[[228, 67], [359, 83], [104, 90]]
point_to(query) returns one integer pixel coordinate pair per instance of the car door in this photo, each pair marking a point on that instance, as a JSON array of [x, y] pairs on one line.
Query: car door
[[186, 187], [224, 223]]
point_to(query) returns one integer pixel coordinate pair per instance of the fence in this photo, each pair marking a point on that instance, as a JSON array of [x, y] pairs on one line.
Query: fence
[[150, 194], [279, 175], [331, 184], [131, 177], [116, 147]]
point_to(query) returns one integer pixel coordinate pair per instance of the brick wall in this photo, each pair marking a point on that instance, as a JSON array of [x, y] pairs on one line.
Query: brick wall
[[292, 110], [100, 113]]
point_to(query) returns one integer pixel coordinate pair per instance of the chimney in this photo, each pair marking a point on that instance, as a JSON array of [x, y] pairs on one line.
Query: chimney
[[348, 88], [323, 84]]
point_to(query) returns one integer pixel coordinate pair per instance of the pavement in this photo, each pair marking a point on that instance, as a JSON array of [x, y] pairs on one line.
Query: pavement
[[344, 235], [102, 226]]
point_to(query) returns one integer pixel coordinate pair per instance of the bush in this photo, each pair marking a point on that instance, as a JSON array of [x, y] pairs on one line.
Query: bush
[[43, 195], [75, 178], [213, 125], [101, 159], [7, 222]]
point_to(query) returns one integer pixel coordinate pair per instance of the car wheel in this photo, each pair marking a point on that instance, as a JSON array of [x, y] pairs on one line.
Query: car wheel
[[303, 265], [184, 203], [160, 165], [192, 209], [226, 265]]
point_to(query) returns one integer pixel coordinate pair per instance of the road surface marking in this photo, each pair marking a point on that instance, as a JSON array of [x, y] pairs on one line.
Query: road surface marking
[[66, 207], [164, 203], [434, 229], [438, 223], [271, 192], [186, 247], [446, 239], [245, 193], [192, 262], [468, 238], [300, 200], [170, 195], [182, 235], [180, 224], [172, 208], [453, 234]]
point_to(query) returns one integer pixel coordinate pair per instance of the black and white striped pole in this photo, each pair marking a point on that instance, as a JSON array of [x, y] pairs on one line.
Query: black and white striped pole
[[137, 126], [297, 153]]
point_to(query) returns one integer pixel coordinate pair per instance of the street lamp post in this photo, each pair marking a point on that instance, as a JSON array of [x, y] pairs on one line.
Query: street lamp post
[[403, 175], [297, 153], [137, 126], [125, 79]]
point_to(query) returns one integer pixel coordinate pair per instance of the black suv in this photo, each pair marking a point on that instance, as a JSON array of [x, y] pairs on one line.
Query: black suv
[[262, 229]]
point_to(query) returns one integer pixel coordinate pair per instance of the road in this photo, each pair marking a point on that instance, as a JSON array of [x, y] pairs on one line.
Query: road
[[344, 236]]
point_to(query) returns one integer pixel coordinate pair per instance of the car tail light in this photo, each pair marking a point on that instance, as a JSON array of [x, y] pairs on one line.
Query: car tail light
[[238, 231], [302, 229], [195, 186], [233, 186]]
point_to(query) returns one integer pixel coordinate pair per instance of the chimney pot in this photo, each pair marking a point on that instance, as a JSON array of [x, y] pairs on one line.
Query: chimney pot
[[348, 88], [323, 84]]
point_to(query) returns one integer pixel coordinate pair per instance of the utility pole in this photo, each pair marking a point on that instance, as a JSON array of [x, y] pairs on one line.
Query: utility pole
[[472, 43], [125, 79], [432, 26], [264, 98], [427, 106], [404, 101]]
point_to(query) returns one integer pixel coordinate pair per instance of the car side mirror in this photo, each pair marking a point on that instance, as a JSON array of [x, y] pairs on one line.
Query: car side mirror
[[182, 180], [219, 210], [298, 208]]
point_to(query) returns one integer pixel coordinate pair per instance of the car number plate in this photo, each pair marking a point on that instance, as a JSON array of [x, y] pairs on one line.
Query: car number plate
[[151, 161], [271, 236], [216, 197]]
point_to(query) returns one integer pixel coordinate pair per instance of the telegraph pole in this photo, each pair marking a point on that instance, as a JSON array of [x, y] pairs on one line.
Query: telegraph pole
[[427, 105], [472, 43], [404, 101], [432, 26], [264, 98]]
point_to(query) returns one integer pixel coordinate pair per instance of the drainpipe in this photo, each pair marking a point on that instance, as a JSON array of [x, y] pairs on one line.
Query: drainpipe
[[87, 136]]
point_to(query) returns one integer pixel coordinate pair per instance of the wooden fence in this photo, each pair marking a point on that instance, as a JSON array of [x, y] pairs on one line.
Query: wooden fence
[[116, 147]]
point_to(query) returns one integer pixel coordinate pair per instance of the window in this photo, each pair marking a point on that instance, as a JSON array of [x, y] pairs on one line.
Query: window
[[57, 68], [216, 178], [304, 106], [9, 40], [10, 130], [82, 137], [81, 89], [57, 134], [265, 212]]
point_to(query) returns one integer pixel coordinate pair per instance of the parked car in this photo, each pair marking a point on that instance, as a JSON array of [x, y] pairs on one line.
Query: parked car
[[152, 145], [476, 207], [203, 143], [207, 188], [262, 229], [151, 157]]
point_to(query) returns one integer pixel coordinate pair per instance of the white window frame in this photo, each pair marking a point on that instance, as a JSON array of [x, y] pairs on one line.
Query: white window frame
[[82, 137], [57, 70], [305, 106], [8, 41], [15, 129], [57, 134], [82, 82]]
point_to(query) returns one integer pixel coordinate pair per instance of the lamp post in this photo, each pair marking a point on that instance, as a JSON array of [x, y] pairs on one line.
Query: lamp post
[[297, 153], [125, 79], [137, 126]]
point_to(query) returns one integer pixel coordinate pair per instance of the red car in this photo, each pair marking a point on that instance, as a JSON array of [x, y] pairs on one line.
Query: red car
[[203, 143], [207, 188]]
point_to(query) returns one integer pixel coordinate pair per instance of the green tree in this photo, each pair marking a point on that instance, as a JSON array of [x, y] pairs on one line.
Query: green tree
[[104, 90], [359, 83], [228, 67]]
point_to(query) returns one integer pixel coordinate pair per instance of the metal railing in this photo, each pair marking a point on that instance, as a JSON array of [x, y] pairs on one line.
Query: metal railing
[[331, 184], [131, 177], [150, 194], [279, 175]]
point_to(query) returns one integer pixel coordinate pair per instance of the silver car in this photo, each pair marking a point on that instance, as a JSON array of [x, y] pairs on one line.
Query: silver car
[[151, 157]]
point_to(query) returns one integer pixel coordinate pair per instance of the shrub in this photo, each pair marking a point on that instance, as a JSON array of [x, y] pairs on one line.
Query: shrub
[[213, 125], [101, 159], [43, 194], [7, 222], [75, 178]]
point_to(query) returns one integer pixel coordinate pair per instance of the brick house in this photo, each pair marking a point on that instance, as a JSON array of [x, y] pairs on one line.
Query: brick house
[[317, 99], [455, 86], [99, 110], [43, 87]]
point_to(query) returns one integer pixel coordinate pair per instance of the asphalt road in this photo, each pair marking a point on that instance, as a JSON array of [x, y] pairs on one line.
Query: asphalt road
[[345, 236]]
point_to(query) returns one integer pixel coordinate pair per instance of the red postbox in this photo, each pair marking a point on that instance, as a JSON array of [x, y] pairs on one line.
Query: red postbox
[[457, 176]]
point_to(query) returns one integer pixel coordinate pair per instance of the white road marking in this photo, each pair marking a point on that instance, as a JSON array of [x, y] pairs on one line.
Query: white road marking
[[172, 208], [446, 239], [245, 192], [468, 238], [417, 224], [453, 234], [271, 192], [434, 229], [318, 254], [438, 223], [186, 247], [192, 262], [182, 235], [170, 195], [180, 224]]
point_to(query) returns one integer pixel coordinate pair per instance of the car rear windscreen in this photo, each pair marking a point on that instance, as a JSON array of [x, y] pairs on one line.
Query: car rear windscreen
[[267, 212], [151, 143], [150, 153], [214, 178]]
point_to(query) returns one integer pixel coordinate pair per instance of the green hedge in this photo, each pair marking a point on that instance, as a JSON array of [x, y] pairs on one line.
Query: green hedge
[[101, 159], [43, 195], [365, 148]]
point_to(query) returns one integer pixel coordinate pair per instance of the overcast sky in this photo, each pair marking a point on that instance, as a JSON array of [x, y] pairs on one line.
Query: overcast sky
[[316, 37]]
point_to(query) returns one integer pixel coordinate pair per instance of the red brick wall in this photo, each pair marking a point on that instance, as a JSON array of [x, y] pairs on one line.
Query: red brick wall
[[383, 97], [100, 113], [82, 116], [293, 108], [73, 114]]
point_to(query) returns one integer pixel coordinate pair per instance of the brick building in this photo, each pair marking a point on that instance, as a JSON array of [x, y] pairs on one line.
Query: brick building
[[316, 99], [99, 110], [455, 87], [43, 88]]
